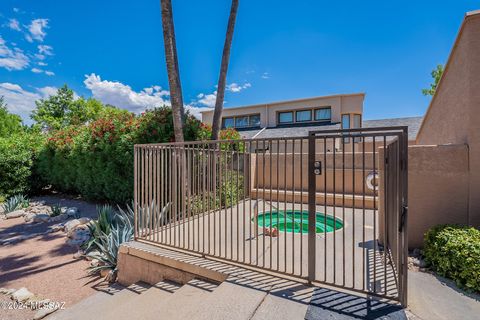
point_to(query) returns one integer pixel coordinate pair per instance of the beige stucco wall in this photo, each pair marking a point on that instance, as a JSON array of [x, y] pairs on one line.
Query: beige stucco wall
[[454, 113], [437, 188], [348, 103]]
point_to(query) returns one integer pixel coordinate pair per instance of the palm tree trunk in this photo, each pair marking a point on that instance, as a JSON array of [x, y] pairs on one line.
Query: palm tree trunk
[[217, 115], [172, 69]]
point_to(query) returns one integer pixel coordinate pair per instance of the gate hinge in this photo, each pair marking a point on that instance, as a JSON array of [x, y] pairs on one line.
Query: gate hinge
[[403, 218]]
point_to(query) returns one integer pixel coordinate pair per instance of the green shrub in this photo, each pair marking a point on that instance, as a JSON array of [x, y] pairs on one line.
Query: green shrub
[[17, 157], [96, 161], [454, 252]]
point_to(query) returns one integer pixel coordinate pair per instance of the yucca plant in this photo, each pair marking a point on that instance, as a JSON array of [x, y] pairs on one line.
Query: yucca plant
[[16, 202]]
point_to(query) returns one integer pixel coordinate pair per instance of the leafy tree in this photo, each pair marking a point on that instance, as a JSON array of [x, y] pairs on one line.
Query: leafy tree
[[63, 109], [436, 75], [9, 123]]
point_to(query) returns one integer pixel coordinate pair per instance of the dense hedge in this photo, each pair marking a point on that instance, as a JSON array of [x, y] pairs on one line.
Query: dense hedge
[[17, 161], [454, 252], [96, 160]]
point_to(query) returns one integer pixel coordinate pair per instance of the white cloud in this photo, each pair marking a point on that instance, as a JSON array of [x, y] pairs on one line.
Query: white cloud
[[47, 72], [21, 101], [207, 100], [266, 75], [12, 59], [45, 50], [36, 30], [123, 96], [235, 87], [43, 64], [14, 25], [16, 10]]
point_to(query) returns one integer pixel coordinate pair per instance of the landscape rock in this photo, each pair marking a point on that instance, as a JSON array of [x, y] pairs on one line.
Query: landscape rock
[[79, 254], [84, 220], [22, 295], [42, 313], [72, 212], [58, 218], [29, 216], [419, 262], [70, 225], [15, 214], [56, 227], [41, 217], [79, 235]]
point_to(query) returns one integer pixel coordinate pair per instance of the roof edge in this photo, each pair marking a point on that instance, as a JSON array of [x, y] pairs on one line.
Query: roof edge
[[294, 100]]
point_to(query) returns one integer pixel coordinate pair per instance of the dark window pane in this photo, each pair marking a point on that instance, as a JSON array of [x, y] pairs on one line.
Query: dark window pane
[[255, 120], [305, 115], [323, 114], [285, 117], [241, 122], [228, 123]]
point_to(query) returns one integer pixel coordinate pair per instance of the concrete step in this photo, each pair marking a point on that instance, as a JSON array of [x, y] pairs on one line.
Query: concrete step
[[100, 303], [228, 301], [186, 300], [146, 305]]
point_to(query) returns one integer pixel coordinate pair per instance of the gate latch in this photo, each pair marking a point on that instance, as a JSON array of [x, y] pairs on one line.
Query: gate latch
[[317, 168]]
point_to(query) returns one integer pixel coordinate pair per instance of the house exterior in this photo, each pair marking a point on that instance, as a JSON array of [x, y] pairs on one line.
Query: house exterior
[[295, 118], [344, 109]]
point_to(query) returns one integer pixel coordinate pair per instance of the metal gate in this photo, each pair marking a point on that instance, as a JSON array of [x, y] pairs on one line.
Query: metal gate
[[370, 255], [326, 208]]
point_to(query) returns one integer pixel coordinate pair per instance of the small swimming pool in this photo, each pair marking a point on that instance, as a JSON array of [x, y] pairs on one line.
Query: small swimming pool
[[297, 221]]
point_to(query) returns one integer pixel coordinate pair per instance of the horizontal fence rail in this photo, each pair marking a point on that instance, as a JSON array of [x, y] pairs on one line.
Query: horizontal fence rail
[[324, 208]]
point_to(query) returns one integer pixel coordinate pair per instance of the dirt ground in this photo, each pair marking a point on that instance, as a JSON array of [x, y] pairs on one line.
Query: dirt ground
[[44, 264]]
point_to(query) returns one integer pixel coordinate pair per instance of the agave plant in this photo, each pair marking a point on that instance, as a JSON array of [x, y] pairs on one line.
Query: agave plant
[[101, 226], [107, 249], [56, 210], [16, 202], [149, 219]]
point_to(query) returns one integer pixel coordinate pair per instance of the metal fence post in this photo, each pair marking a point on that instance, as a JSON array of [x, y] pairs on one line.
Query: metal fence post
[[311, 208]]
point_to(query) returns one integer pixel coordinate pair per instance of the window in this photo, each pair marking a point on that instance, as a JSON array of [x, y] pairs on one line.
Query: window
[[323, 114], [304, 115], [241, 121], [357, 121], [285, 117], [346, 125], [255, 120], [228, 122]]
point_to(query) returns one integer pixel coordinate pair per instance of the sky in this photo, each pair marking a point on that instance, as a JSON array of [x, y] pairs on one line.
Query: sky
[[112, 50]]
